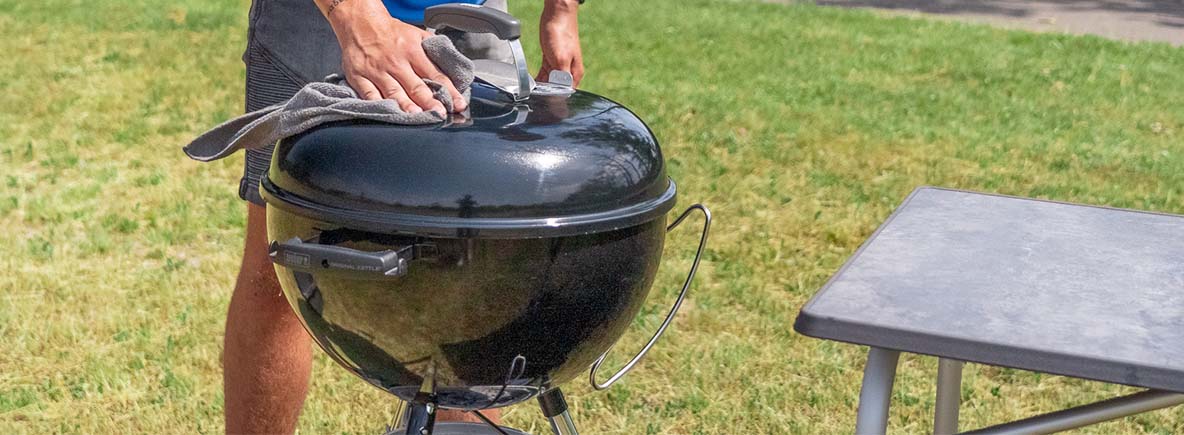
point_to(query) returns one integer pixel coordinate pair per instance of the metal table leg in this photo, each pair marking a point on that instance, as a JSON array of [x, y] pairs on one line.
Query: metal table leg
[[876, 393], [949, 396]]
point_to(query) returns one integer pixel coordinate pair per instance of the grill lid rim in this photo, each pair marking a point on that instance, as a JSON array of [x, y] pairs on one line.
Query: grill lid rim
[[479, 228]]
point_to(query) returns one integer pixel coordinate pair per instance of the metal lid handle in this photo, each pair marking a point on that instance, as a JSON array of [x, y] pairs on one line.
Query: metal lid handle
[[682, 295], [472, 18]]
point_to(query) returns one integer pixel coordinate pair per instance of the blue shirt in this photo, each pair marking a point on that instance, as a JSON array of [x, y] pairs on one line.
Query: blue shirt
[[411, 11]]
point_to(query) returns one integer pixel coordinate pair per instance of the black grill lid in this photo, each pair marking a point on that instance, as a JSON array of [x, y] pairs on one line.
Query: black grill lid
[[552, 165]]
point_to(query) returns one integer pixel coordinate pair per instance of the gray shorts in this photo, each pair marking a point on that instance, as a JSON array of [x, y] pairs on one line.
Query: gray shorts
[[289, 44]]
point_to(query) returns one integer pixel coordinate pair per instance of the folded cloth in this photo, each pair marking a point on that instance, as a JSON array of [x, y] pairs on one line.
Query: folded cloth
[[332, 100]]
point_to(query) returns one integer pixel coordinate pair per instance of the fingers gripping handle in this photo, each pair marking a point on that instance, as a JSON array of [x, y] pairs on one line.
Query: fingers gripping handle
[[682, 295], [473, 19]]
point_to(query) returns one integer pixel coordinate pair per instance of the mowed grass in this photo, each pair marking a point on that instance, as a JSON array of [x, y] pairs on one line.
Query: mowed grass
[[802, 128]]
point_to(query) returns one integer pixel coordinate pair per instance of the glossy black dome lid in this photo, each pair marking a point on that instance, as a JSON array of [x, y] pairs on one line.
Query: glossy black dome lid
[[547, 166]]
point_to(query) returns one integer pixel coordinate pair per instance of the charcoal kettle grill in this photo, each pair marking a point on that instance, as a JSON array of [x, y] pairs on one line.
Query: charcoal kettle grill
[[483, 261]]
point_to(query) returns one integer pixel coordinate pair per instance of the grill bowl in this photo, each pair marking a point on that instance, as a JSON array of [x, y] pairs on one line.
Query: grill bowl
[[489, 322]]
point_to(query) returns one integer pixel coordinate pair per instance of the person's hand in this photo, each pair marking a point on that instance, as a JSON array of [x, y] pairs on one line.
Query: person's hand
[[383, 57], [559, 36]]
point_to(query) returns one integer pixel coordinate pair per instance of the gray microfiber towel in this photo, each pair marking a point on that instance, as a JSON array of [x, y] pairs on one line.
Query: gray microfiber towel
[[329, 101]]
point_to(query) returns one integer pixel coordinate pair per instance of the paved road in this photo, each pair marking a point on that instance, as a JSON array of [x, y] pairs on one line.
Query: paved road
[[1132, 20]]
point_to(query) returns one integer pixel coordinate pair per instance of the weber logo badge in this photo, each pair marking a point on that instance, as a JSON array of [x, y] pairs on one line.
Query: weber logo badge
[[295, 259]]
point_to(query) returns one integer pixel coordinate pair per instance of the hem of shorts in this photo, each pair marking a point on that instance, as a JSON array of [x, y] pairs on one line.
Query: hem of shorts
[[250, 192]]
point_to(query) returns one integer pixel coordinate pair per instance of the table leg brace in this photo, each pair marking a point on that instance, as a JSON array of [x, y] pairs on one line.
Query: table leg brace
[[1086, 415]]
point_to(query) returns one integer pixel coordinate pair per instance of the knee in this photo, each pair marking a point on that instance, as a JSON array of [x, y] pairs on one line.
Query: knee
[[257, 282]]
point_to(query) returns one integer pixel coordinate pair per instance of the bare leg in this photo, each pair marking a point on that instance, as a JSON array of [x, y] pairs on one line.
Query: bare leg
[[267, 357]]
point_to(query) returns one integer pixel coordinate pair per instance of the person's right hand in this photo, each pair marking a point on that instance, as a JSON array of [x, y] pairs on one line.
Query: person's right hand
[[383, 57]]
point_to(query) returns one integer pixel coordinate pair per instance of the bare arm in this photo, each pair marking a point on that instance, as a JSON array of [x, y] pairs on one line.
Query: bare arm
[[559, 36], [382, 57]]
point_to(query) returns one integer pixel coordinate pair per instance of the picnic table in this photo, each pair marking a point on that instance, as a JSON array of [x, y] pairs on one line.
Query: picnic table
[[1082, 291]]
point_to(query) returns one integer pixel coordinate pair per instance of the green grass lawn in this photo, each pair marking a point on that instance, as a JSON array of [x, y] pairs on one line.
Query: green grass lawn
[[801, 127]]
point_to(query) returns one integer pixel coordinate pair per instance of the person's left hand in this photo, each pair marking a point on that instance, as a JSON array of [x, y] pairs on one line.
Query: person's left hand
[[559, 36]]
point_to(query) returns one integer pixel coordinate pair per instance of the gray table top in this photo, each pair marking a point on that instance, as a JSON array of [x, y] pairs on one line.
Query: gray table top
[[1089, 292]]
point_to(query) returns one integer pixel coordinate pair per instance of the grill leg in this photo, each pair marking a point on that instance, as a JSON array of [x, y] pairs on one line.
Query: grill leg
[[876, 393], [555, 409], [421, 415]]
